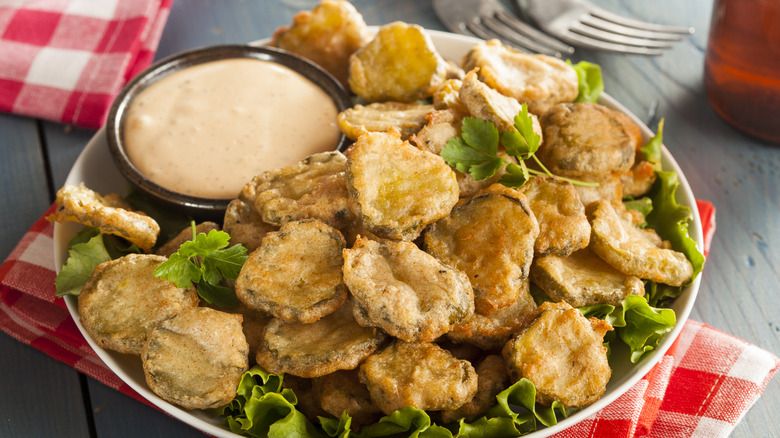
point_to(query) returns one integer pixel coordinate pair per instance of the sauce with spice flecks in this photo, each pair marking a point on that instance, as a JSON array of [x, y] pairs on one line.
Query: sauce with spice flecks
[[206, 130]]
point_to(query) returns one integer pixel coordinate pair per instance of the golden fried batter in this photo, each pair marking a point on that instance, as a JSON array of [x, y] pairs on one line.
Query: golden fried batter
[[492, 332], [312, 189], [587, 139], [328, 35], [447, 96], [405, 291], [583, 279], [492, 378], [563, 226], [633, 250], [609, 189], [490, 237], [185, 235], [196, 358], [537, 80], [418, 374], [486, 103], [399, 64], [562, 353], [123, 301], [342, 392], [639, 179], [407, 118], [399, 188], [245, 225], [335, 342], [295, 275], [109, 213]]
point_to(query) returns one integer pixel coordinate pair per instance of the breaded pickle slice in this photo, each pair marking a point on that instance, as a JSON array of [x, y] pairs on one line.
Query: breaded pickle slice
[[537, 80], [583, 279], [609, 189], [109, 213], [447, 96], [196, 358], [295, 275], [563, 225], [405, 291], [328, 35], [486, 103], [123, 301], [490, 237], [492, 332], [639, 179], [559, 339], [314, 188], [335, 342], [407, 118], [419, 374], [342, 391], [587, 139], [244, 224], [399, 188], [492, 378], [632, 250], [399, 64]]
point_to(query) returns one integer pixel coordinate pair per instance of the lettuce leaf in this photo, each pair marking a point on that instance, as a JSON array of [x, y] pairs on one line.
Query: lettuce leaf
[[589, 81], [637, 324], [262, 407]]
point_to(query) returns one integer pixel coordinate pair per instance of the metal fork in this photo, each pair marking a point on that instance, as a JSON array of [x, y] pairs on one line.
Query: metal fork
[[584, 25], [488, 19]]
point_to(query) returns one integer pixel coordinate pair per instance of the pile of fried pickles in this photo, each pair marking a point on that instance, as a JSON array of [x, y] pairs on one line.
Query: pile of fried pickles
[[382, 277]]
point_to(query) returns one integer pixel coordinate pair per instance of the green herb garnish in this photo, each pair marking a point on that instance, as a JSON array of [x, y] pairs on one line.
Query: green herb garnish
[[475, 152], [205, 261]]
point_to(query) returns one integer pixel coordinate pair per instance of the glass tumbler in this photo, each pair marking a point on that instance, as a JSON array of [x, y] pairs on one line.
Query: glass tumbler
[[742, 65]]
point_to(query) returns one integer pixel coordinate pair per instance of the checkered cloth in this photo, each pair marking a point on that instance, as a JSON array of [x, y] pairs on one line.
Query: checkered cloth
[[714, 378], [66, 60]]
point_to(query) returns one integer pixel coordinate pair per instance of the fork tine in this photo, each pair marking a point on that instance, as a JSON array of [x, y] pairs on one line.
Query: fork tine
[[614, 38], [531, 32], [475, 27], [592, 43], [507, 33], [608, 26], [628, 22]]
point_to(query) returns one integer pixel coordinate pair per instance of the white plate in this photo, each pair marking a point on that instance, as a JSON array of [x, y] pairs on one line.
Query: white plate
[[95, 168]]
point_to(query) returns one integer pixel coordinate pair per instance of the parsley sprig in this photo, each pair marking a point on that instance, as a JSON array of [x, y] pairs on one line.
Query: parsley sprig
[[475, 152], [205, 261]]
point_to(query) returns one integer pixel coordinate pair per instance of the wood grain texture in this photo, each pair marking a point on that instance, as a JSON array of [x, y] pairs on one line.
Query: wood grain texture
[[741, 176]]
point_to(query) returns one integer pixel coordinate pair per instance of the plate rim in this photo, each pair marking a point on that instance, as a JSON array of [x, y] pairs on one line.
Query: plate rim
[[63, 232]]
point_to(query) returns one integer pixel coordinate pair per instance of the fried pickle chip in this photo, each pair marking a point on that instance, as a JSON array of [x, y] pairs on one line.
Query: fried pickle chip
[[123, 301], [419, 374], [312, 189], [492, 378], [491, 238], [405, 291], [295, 275], [583, 279], [447, 96], [587, 139], [609, 189], [244, 224], [486, 103], [632, 250], [562, 353], [639, 179], [328, 35], [399, 189], [335, 342], [196, 358], [407, 118], [563, 225], [399, 64], [110, 214], [537, 80], [185, 235], [492, 332], [341, 392]]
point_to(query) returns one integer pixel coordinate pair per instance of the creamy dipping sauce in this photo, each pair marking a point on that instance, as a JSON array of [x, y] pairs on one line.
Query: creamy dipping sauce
[[206, 130]]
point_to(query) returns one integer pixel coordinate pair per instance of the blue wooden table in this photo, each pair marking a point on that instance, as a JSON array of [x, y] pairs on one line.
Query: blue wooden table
[[41, 397]]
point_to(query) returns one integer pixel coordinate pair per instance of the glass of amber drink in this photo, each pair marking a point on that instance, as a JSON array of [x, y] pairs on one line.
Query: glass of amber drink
[[742, 65]]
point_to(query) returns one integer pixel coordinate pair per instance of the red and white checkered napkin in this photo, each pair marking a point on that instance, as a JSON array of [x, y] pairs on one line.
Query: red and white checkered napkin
[[66, 60], [711, 377]]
